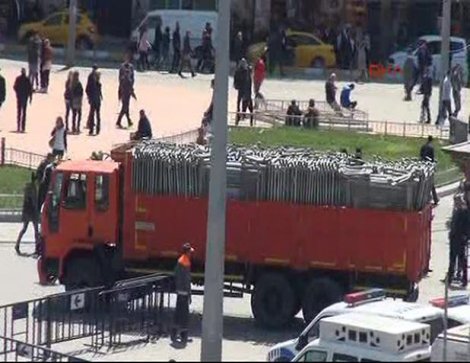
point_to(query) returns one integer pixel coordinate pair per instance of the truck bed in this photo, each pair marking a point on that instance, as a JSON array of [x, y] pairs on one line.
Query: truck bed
[[300, 237]]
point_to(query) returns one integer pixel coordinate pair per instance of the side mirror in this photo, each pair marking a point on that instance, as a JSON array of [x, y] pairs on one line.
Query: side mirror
[[302, 342]]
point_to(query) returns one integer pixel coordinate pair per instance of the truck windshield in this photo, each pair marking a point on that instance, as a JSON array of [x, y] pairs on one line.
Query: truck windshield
[[75, 197]]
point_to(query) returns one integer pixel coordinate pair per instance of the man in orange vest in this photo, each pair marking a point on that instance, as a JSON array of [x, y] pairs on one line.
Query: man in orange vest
[[183, 292]]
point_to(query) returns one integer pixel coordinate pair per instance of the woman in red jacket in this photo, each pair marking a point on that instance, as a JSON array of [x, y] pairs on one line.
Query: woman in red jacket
[[259, 77]]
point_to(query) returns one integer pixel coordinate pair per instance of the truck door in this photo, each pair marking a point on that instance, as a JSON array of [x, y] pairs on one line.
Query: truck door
[[104, 211], [74, 215]]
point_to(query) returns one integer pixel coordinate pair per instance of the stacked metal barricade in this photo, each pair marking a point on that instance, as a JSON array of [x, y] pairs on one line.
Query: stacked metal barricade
[[300, 176]]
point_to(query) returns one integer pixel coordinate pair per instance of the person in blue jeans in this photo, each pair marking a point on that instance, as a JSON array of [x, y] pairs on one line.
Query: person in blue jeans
[[346, 97]]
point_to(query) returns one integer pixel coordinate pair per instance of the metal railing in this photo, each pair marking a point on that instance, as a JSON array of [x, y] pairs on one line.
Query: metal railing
[[12, 350], [102, 315], [406, 129], [181, 138], [21, 158]]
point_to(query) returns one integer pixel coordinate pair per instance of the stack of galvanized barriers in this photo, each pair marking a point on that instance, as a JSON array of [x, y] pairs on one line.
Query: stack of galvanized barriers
[[300, 176]]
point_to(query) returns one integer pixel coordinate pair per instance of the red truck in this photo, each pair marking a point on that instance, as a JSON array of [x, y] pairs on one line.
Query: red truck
[[96, 228]]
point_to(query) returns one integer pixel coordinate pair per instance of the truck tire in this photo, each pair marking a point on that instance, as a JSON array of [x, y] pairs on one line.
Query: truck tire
[[319, 294], [82, 272], [413, 295], [273, 301]]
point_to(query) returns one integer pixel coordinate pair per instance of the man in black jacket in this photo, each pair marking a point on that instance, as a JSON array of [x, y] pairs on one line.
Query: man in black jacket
[[176, 49], [24, 92], [186, 59], [30, 212], [427, 154], [144, 130]]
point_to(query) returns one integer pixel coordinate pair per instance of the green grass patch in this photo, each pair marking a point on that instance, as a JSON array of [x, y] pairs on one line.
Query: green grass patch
[[12, 182], [388, 147]]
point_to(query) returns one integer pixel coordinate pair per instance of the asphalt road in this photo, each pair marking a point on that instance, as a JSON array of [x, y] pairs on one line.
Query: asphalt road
[[243, 340]]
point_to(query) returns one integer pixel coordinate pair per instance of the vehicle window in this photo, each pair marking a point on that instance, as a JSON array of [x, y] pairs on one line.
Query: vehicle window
[[54, 203], [435, 47], [56, 191], [314, 356], [102, 192], [457, 46], [437, 327], [75, 197], [79, 19], [344, 358], [54, 20], [314, 332], [153, 21], [300, 40]]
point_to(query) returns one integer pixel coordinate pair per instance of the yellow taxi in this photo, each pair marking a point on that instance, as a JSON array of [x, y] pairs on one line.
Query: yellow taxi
[[56, 28], [305, 50]]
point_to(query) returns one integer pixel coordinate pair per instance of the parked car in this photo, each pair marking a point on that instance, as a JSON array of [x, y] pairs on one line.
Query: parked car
[[458, 47], [56, 28], [305, 51]]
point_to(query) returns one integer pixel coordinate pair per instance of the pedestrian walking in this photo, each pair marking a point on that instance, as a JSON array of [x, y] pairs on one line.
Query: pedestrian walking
[[330, 91], [361, 54], [157, 45], [176, 42], [3, 90], [427, 155], [209, 114], [186, 57], [242, 83], [183, 295], [126, 70], [409, 75], [206, 58], [238, 48], [144, 129], [77, 101], [458, 239], [445, 108], [24, 92], [259, 77], [426, 89], [125, 92], [95, 96], [46, 65], [58, 142], [29, 213], [68, 98], [276, 49], [34, 58], [165, 63], [457, 81], [144, 48], [424, 60]]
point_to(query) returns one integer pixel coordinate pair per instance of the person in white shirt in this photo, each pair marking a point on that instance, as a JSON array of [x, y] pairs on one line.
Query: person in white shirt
[[58, 142], [445, 108]]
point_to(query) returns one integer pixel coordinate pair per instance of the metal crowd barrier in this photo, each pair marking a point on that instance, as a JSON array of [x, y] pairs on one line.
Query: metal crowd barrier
[[21, 158], [104, 315], [12, 350]]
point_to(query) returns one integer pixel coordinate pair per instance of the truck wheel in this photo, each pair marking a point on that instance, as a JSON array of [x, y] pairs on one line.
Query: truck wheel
[[82, 272], [273, 301], [319, 294]]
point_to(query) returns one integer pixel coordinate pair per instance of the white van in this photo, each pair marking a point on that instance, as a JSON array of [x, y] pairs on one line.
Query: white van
[[458, 345], [189, 20], [367, 338], [373, 303]]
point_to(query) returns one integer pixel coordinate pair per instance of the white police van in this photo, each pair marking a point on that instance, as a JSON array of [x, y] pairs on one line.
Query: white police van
[[458, 309], [372, 302], [358, 337]]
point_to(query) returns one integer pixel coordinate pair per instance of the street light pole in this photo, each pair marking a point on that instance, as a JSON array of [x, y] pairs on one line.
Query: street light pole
[[72, 33], [212, 319], [445, 46]]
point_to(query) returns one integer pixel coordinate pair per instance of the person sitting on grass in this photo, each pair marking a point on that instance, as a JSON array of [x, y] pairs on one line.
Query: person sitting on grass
[[293, 114], [346, 97], [311, 118]]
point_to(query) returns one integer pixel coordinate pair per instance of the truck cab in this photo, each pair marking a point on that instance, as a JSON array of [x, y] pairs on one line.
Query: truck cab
[[372, 303], [79, 221], [365, 338]]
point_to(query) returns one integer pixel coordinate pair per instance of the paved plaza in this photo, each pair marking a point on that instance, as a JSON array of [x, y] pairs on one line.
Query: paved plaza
[[175, 105]]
